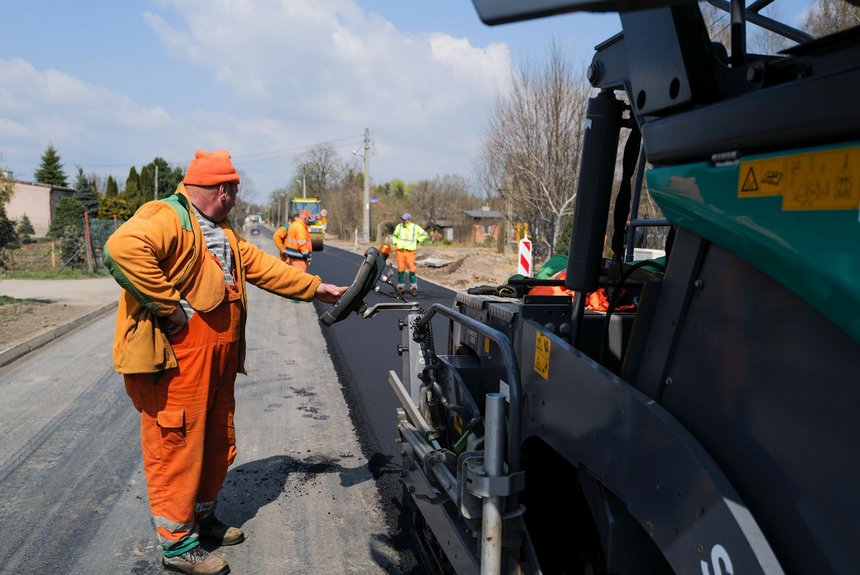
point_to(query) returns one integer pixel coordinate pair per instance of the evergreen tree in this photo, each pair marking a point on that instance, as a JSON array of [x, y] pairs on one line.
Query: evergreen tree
[[147, 185], [72, 246], [25, 228], [8, 235], [168, 178], [114, 207], [111, 189], [132, 194], [86, 194], [50, 171], [7, 189], [69, 213]]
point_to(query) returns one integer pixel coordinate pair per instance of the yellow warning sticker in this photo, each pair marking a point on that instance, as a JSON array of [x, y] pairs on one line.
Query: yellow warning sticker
[[542, 349], [487, 345], [826, 180]]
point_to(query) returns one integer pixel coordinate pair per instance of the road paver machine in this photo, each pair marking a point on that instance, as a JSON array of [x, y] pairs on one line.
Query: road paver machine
[[712, 428]]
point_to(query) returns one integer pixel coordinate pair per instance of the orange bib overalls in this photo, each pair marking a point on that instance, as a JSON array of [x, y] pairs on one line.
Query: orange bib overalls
[[186, 420]]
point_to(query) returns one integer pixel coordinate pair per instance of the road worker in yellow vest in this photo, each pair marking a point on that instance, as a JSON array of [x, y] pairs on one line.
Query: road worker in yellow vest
[[407, 236]]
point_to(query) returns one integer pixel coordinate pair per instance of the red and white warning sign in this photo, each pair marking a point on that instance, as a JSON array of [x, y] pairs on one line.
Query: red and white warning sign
[[525, 260]]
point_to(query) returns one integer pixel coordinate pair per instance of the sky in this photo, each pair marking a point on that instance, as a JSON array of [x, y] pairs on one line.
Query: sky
[[115, 83]]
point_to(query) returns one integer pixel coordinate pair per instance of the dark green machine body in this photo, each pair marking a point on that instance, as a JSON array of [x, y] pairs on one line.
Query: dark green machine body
[[711, 430]]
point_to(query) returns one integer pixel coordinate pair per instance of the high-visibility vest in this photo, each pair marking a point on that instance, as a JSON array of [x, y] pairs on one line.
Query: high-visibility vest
[[407, 236], [298, 244]]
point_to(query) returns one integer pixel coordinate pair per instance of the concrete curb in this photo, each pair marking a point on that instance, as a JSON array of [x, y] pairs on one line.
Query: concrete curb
[[18, 351]]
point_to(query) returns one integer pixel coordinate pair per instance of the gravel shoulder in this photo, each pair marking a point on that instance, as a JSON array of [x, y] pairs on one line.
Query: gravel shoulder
[[455, 267]]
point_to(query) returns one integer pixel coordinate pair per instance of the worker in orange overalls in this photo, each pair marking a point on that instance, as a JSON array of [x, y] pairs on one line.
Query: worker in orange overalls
[[179, 343], [298, 247], [280, 237]]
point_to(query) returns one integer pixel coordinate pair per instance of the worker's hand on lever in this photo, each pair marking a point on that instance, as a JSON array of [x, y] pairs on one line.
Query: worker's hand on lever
[[329, 293]]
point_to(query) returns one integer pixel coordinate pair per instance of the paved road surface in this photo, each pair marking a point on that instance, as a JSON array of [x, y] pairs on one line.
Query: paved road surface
[[364, 350]]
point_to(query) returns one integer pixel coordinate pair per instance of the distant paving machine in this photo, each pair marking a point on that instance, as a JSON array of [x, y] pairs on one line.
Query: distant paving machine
[[318, 222], [712, 428]]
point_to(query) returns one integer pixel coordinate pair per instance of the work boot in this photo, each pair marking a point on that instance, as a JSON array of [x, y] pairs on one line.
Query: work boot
[[213, 530], [196, 561], [414, 291], [401, 289]]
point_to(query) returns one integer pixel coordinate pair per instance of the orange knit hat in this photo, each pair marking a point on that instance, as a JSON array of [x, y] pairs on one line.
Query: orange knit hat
[[211, 169]]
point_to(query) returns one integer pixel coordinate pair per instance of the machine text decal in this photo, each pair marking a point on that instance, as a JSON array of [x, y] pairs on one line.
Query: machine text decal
[[826, 180]]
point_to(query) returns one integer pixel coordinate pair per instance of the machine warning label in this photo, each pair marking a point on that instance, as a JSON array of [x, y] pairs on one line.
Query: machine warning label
[[542, 349], [826, 180]]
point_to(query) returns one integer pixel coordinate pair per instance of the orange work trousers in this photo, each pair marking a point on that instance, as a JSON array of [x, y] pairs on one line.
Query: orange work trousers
[[186, 420], [299, 264], [406, 260]]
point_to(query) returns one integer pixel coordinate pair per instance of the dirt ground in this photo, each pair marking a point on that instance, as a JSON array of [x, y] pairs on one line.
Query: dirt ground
[[456, 268], [21, 321]]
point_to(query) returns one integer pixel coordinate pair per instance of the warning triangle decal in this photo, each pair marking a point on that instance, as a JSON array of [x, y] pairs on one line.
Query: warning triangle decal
[[750, 182]]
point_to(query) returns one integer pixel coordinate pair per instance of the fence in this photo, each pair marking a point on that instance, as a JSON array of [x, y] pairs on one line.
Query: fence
[[79, 247]]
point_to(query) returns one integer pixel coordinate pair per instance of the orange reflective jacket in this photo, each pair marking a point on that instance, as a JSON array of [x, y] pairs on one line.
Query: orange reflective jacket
[[159, 256], [298, 243]]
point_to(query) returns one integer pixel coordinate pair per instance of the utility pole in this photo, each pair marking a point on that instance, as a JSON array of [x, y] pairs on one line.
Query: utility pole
[[366, 229]]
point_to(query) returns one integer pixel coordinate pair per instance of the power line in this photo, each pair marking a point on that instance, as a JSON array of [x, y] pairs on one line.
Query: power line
[[298, 150]]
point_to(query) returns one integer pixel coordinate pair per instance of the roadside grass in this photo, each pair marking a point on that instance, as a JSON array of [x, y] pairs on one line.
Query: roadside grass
[[66, 274], [6, 300]]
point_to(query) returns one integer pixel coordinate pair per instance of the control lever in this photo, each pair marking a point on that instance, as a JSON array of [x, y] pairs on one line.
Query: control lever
[[369, 272]]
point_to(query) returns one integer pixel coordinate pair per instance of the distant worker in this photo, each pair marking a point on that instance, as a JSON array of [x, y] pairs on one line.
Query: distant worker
[[297, 246], [407, 236], [280, 237]]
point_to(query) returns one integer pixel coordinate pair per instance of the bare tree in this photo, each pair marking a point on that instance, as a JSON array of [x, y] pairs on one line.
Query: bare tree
[[532, 146], [345, 217], [828, 16], [759, 40], [244, 196], [317, 170], [440, 198]]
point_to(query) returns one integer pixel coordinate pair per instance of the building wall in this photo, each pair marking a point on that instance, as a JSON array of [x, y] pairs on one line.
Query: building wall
[[38, 202], [482, 232]]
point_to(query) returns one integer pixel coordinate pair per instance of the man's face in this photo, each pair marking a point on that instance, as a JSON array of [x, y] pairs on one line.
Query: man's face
[[227, 196]]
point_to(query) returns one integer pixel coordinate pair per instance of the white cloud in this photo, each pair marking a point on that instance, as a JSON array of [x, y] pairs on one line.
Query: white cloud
[[327, 69], [267, 75], [87, 123]]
